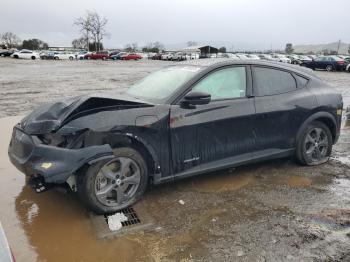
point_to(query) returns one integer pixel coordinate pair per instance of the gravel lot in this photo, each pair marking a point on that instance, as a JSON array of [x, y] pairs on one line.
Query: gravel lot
[[271, 211]]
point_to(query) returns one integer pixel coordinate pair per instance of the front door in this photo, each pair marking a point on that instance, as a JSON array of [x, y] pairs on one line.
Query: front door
[[217, 131]]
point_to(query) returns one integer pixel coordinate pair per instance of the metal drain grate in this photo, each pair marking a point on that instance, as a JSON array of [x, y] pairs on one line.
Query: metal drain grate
[[130, 213]]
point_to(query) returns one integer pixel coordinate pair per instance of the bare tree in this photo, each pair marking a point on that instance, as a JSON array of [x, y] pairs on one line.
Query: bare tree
[[80, 43], [10, 39], [131, 47], [85, 26], [98, 27], [191, 43]]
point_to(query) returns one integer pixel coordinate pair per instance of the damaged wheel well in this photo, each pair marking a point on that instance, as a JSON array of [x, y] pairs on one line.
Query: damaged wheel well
[[116, 142], [330, 124]]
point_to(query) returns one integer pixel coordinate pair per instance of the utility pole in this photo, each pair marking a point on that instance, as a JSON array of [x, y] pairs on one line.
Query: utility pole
[[338, 47]]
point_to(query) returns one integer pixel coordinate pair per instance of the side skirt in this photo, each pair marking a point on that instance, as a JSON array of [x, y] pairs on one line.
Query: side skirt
[[230, 162]]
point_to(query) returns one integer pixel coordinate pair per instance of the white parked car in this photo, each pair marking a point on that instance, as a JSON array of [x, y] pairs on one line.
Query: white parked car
[[26, 54], [229, 55], [64, 56], [253, 56], [242, 56], [167, 56], [348, 68], [81, 55], [281, 58], [267, 57]]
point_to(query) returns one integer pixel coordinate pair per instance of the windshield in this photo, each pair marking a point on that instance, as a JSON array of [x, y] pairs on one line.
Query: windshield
[[160, 85]]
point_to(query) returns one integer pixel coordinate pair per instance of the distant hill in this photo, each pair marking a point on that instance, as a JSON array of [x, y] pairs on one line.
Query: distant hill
[[343, 49]]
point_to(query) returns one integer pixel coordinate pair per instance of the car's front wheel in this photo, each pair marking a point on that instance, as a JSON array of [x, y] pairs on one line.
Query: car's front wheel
[[109, 186], [314, 145]]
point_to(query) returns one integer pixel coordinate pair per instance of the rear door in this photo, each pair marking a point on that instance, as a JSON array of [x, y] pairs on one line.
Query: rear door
[[282, 102], [218, 130]]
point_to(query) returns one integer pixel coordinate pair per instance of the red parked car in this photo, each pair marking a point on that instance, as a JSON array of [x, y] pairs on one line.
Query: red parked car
[[132, 57], [98, 55]]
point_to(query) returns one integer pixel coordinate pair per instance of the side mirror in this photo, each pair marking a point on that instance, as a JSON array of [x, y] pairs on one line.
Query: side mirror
[[196, 98]]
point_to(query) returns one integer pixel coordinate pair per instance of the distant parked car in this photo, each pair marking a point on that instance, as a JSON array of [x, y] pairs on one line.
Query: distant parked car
[[229, 55], [7, 52], [267, 57], [242, 56], [26, 54], [295, 59], [118, 56], [81, 55], [281, 58], [167, 56], [132, 57], [313, 57], [253, 56], [48, 55], [179, 56], [98, 55], [156, 56], [330, 63], [64, 56]]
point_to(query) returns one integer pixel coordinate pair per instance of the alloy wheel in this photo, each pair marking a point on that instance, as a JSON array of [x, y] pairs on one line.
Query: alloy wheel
[[329, 68], [316, 145], [117, 181]]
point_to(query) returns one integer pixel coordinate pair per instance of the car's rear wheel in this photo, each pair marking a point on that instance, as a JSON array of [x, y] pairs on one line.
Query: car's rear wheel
[[109, 186], [33, 57], [71, 58], [329, 68], [314, 145]]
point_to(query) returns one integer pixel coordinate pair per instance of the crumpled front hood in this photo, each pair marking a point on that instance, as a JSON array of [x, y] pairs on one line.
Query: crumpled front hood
[[50, 117]]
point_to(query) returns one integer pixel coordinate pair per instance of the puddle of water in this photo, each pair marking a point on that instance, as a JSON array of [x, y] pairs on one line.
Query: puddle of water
[[51, 226], [299, 181], [217, 182]]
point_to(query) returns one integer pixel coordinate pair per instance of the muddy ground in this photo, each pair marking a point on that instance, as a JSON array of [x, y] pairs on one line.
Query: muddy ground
[[271, 211]]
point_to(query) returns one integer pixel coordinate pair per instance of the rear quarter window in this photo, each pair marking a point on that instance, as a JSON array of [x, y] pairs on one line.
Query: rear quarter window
[[301, 81], [269, 81]]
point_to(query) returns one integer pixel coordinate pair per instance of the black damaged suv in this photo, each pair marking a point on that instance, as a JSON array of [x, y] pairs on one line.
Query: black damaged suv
[[182, 120]]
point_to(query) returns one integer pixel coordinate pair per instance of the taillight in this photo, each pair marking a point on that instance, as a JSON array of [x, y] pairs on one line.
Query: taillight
[[340, 62]]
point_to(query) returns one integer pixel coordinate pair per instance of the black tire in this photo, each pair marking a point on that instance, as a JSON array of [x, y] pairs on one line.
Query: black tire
[[87, 182], [304, 152], [15, 56], [33, 57], [71, 58], [56, 58], [329, 68]]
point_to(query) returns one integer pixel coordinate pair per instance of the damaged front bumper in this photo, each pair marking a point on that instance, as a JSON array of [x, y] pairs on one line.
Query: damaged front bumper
[[53, 164]]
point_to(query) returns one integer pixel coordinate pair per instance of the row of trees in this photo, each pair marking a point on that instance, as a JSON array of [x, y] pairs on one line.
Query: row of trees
[[11, 40]]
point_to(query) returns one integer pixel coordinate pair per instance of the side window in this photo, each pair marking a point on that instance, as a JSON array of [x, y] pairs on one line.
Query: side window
[[301, 81], [268, 81], [225, 83]]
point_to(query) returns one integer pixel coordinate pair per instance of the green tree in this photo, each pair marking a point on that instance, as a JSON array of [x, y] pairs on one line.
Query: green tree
[[95, 46], [34, 44], [222, 49], [289, 48]]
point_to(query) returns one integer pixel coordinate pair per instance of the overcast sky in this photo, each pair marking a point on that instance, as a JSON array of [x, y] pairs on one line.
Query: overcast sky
[[251, 23]]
